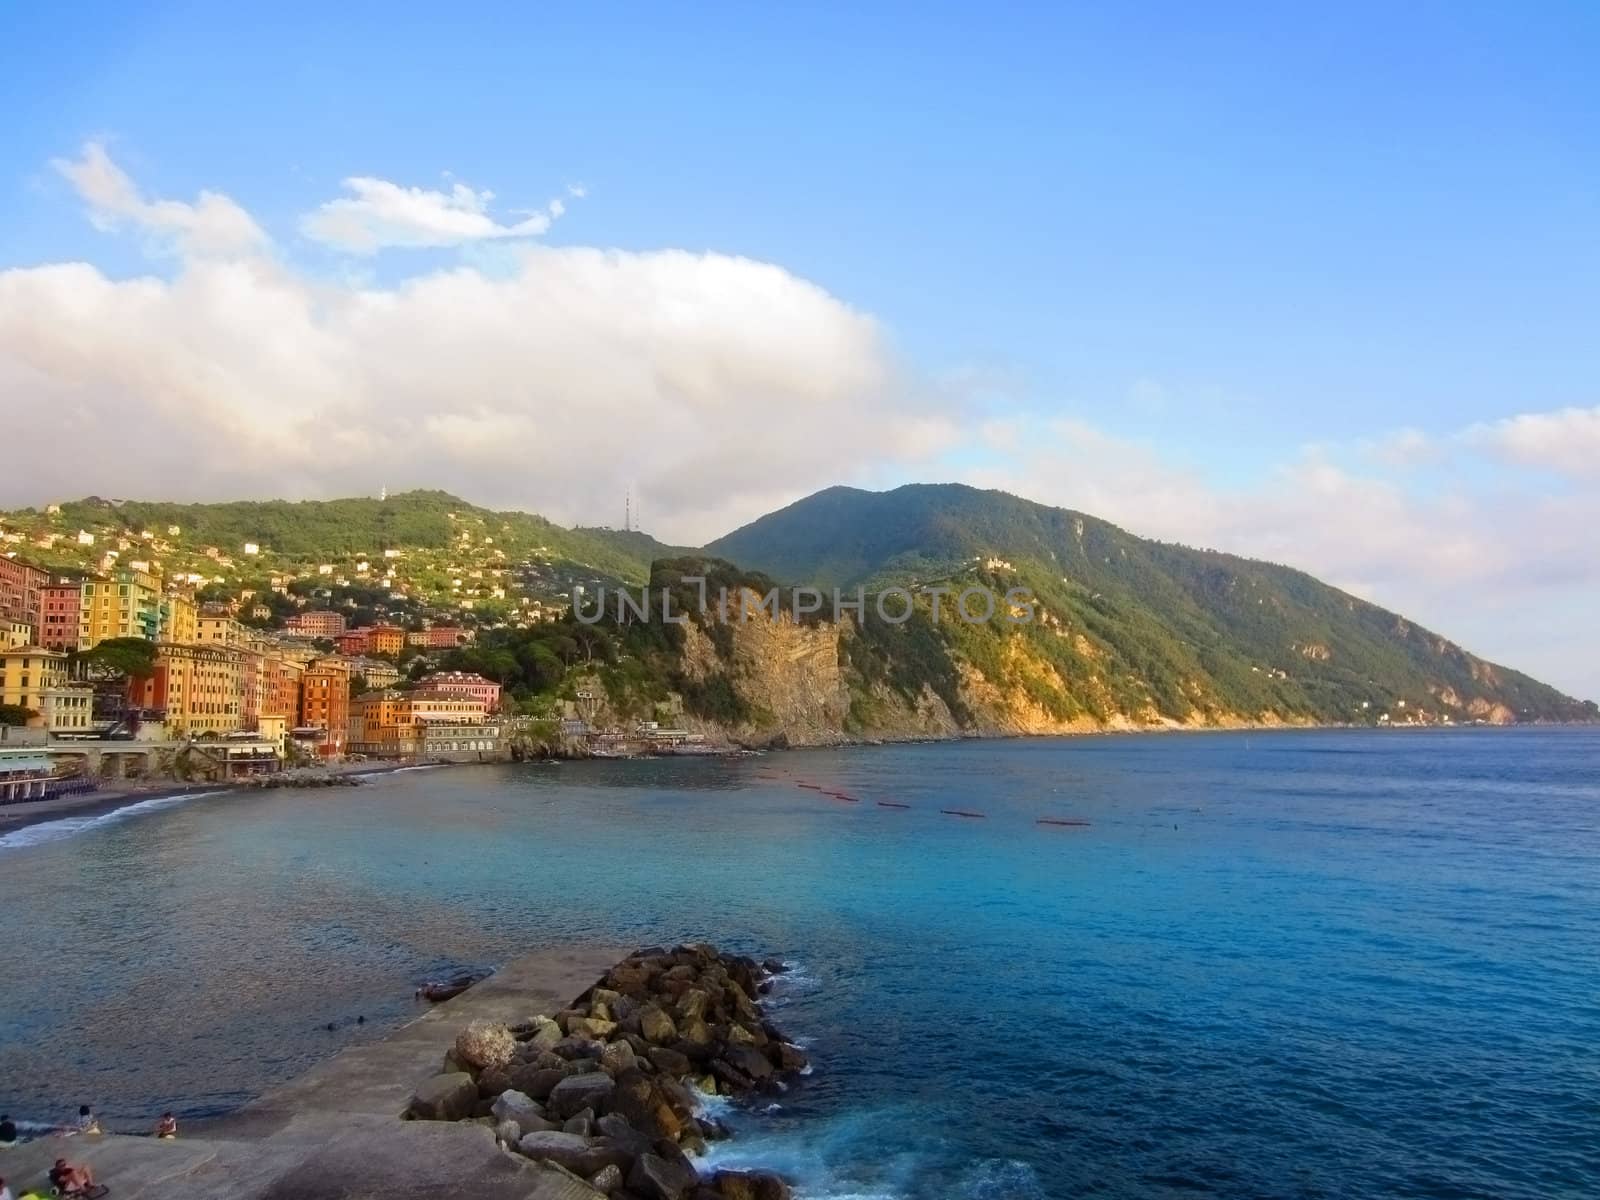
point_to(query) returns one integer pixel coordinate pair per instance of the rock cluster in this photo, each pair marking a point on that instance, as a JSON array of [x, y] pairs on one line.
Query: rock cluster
[[605, 1089]]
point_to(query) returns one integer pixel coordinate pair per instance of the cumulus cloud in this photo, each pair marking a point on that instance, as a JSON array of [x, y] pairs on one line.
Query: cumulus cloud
[[212, 225], [379, 214], [715, 386], [1567, 440]]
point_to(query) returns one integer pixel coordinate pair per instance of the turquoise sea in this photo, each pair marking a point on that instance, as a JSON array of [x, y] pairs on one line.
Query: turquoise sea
[[1330, 964]]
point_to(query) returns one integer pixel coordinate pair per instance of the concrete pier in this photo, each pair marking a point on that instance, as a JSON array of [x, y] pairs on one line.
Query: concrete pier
[[335, 1133]]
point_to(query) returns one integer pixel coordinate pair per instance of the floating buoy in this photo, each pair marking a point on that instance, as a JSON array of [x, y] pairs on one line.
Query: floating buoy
[[961, 812], [1059, 821], [891, 804]]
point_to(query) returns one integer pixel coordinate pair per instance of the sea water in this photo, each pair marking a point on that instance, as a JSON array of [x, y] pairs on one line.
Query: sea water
[[1329, 964]]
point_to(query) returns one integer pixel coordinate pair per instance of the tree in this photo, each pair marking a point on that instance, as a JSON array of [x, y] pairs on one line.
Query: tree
[[15, 714], [116, 660]]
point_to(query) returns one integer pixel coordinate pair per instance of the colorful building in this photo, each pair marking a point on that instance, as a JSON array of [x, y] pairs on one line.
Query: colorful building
[[20, 585], [125, 604], [439, 637], [355, 641], [60, 612], [316, 623], [464, 683], [386, 639], [220, 629], [396, 724], [199, 689], [180, 619], [35, 678], [325, 705]]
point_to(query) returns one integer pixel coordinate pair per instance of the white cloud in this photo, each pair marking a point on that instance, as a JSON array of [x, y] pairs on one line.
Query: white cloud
[[716, 386], [1566, 441], [213, 224], [1497, 570], [381, 214]]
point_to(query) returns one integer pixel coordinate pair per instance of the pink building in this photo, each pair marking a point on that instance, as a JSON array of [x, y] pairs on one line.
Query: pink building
[[317, 623], [463, 683], [59, 613], [439, 637]]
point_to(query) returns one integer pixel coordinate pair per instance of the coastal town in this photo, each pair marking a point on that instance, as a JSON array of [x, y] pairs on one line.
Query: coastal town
[[128, 654]]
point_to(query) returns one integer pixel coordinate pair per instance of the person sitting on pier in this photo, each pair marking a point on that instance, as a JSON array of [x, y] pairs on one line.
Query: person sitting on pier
[[167, 1127], [8, 1132], [87, 1121], [71, 1180]]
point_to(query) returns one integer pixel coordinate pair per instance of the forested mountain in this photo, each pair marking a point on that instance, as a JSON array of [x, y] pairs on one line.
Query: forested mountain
[[1160, 629], [1125, 632]]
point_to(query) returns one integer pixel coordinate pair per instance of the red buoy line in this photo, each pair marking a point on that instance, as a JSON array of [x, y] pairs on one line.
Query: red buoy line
[[846, 797]]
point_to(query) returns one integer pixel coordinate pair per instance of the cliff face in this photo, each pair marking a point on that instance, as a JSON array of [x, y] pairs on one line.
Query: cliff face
[[802, 690]]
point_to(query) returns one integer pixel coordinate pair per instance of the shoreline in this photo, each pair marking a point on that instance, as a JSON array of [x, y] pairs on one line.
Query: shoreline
[[104, 801], [16, 817]]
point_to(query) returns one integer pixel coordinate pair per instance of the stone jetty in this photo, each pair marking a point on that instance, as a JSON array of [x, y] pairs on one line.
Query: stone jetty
[[606, 1090]]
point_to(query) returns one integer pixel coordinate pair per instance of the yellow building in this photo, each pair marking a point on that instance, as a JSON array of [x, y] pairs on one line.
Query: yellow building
[[200, 688], [15, 634], [180, 620], [126, 604], [34, 678], [220, 631]]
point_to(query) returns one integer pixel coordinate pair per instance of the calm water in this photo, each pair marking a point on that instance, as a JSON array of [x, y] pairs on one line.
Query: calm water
[[1327, 964]]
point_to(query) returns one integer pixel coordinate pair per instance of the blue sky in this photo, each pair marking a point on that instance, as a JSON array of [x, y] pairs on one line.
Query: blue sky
[[1283, 280]]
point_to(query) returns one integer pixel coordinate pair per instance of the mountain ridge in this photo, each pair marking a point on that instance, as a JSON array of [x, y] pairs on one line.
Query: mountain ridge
[[1130, 631]]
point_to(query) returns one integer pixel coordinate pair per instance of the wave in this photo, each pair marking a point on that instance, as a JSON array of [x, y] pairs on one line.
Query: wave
[[382, 771], [52, 831]]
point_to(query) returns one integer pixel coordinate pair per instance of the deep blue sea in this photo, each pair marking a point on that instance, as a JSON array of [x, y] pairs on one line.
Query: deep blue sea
[[1328, 964]]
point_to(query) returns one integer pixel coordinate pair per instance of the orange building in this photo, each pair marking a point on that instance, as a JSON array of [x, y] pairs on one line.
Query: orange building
[[325, 704], [394, 724], [386, 639]]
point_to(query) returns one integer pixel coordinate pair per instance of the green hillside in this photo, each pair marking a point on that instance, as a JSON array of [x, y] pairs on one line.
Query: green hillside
[[1169, 629], [429, 520]]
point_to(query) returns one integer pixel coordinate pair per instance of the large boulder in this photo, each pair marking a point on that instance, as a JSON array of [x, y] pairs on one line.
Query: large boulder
[[749, 1060], [656, 1026], [750, 1185], [576, 1154], [522, 1109], [657, 1178], [446, 1097], [537, 1082], [618, 1056], [485, 1044], [697, 1038], [616, 1130], [669, 1062], [492, 1082], [590, 1027], [546, 1033], [578, 1092]]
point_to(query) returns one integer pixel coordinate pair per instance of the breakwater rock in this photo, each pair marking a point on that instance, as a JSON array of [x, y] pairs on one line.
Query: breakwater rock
[[302, 779], [605, 1089]]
